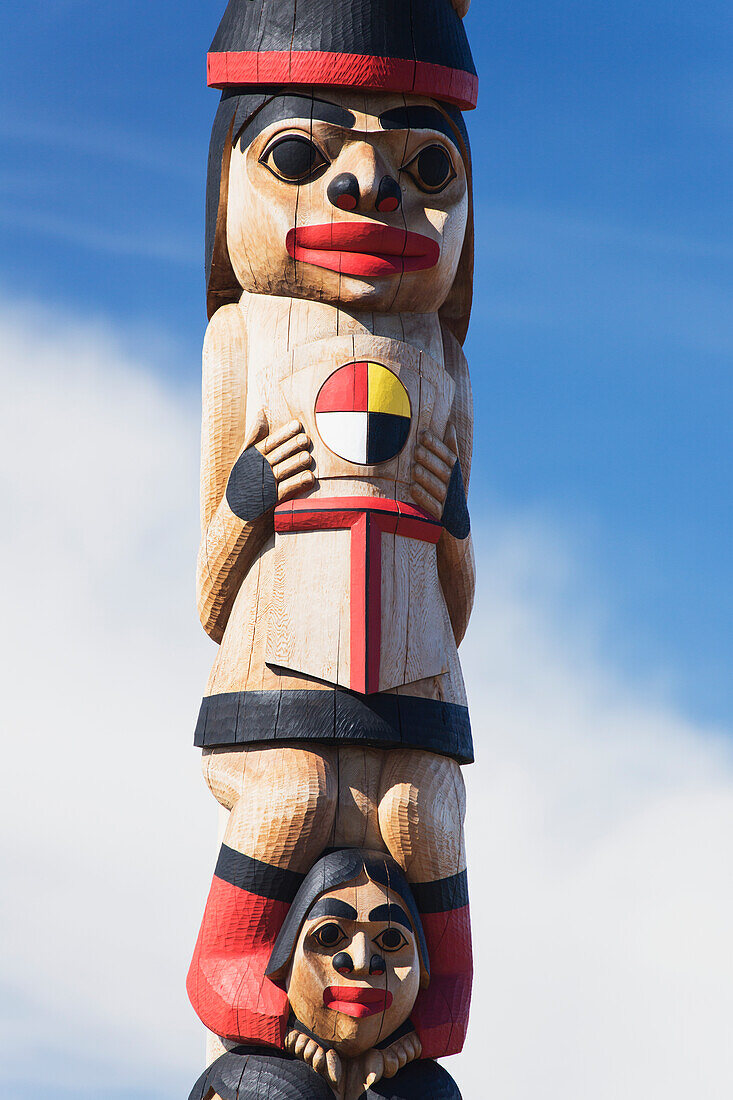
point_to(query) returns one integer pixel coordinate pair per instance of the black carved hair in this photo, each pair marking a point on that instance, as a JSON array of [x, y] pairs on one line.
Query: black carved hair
[[332, 871]]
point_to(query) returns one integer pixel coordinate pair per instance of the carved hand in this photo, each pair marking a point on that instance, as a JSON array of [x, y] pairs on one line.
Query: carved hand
[[364, 1072], [434, 462], [325, 1062], [287, 451]]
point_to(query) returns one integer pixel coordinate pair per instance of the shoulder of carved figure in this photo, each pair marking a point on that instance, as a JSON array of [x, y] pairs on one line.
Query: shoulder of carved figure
[[461, 6]]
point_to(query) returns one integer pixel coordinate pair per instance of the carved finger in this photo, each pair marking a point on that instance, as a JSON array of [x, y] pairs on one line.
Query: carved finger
[[434, 485], [290, 1040], [310, 1051], [401, 1053], [296, 484], [299, 442], [282, 435], [413, 1045], [333, 1068], [426, 502], [301, 1042], [431, 462], [319, 1060], [300, 461], [373, 1068], [438, 447], [391, 1062]]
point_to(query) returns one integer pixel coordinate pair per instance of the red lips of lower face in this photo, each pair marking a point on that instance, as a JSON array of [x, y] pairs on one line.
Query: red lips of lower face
[[357, 1001], [362, 248]]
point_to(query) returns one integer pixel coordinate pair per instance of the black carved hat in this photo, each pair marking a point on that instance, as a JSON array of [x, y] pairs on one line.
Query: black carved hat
[[409, 46]]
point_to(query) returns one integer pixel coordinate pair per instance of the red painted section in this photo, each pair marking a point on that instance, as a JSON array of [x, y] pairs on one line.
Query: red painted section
[[368, 518], [375, 529], [441, 1011], [346, 70], [358, 604], [345, 390], [226, 980], [362, 248], [357, 1001]]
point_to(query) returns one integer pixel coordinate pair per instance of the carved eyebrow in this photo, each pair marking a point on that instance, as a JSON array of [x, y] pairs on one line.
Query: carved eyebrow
[[332, 907], [417, 117], [394, 914], [283, 107]]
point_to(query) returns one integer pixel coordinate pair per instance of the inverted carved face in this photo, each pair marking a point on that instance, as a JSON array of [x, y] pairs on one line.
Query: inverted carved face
[[353, 199], [355, 972]]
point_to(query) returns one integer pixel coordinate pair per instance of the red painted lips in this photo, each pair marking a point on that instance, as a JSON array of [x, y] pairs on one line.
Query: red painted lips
[[362, 248], [357, 1001]]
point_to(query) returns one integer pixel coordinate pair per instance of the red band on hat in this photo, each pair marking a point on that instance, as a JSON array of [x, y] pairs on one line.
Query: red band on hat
[[346, 70]]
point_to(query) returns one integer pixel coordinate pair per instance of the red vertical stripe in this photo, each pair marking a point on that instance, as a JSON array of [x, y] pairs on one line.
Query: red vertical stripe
[[358, 605], [374, 602]]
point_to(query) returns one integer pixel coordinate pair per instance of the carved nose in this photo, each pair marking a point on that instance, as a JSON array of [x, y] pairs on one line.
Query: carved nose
[[343, 191], [342, 963], [377, 965], [389, 196]]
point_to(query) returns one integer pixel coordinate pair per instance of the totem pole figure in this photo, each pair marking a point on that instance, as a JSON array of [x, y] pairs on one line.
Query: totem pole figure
[[336, 568]]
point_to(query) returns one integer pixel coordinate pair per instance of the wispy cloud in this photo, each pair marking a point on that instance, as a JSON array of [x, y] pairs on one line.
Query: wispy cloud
[[599, 818], [149, 245]]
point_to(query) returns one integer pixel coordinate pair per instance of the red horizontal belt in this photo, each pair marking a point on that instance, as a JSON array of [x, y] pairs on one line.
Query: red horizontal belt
[[368, 518], [387, 74]]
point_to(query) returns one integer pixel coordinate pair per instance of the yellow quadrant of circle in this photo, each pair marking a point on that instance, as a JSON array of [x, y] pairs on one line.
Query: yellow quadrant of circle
[[385, 392]]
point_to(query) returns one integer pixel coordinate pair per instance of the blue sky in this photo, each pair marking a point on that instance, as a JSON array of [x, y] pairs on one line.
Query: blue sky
[[601, 339], [599, 658]]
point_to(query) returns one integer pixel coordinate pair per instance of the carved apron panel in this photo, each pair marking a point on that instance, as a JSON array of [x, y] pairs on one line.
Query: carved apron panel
[[356, 600]]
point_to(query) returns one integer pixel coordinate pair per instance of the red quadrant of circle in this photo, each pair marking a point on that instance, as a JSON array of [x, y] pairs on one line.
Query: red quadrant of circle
[[345, 390]]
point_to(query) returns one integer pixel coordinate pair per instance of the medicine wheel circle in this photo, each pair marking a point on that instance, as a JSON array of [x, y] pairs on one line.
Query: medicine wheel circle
[[363, 413]]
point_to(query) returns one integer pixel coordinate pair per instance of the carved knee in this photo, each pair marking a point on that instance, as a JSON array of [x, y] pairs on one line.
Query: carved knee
[[421, 810], [285, 806]]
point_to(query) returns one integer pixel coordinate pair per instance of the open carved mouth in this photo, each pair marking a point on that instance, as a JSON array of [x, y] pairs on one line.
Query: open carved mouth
[[362, 248], [357, 1001]]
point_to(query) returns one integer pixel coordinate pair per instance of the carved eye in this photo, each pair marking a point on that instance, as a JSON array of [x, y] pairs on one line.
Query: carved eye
[[432, 169], [293, 158], [390, 940], [329, 936]]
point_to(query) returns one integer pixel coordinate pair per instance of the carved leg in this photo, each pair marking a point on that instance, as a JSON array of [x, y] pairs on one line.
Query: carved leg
[[282, 802], [421, 811]]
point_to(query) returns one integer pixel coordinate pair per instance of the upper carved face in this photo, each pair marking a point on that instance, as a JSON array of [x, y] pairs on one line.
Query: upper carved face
[[355, 971], [353, 199]]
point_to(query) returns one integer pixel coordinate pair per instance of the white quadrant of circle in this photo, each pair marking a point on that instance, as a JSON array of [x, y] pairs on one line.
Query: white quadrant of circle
[[345, 433]]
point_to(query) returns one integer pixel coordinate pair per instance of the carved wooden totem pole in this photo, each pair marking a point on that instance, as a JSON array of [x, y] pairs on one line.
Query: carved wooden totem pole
[[336, 568]]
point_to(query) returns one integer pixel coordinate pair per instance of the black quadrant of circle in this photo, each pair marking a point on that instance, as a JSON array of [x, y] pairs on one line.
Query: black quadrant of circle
[[386, 436]]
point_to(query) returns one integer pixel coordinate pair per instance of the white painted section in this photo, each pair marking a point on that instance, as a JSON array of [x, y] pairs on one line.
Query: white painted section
[[344, 433]]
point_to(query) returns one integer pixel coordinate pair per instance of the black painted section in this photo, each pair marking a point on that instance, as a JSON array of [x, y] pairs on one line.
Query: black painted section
[[421, 1080], [257, 1073], [386, 436], [344, 186], [280, 108], [251, 488], [442, 896], [333, 907], [256, 877], [422, 117], [422, 30], [456, 519], [333, 870], [335, 715]]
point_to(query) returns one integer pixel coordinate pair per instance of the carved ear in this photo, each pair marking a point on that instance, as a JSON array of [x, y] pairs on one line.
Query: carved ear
[[461, 6]]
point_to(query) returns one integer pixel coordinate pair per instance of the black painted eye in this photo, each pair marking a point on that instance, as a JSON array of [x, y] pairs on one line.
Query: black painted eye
[[293, 158], [432, 169], [390, 940], [329, 935]]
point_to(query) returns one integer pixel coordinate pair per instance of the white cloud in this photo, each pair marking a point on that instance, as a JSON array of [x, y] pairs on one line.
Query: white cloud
[[600, 819]]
